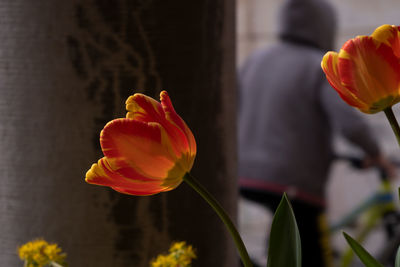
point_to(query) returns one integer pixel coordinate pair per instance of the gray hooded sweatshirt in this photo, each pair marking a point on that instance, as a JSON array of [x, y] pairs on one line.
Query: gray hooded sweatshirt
[[287, 109]]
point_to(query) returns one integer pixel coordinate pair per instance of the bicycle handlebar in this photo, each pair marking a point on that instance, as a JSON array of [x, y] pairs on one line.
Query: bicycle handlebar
[[357, 163]]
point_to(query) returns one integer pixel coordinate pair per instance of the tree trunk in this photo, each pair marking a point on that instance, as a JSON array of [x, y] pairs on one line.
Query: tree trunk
[[66, 68]]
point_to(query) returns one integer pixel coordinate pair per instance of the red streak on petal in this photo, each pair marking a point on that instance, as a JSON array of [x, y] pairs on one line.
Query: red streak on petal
[[175, 119], [102, 174], [145, 109], [144, 146], [141, 191], [329, 66], [370, 72]]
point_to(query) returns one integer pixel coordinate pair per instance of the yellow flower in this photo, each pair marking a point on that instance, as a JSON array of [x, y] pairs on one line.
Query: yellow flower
[[39, 253], [180, 255], [164, 261], [177, 246], [52, 251]]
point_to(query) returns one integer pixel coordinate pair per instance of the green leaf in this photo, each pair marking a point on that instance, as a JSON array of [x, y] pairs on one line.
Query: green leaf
[[284, 243], [397, 264], [364, 256], [398, 190]]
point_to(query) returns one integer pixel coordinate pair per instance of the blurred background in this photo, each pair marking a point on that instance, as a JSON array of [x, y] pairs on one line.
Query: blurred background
[[256, 27]]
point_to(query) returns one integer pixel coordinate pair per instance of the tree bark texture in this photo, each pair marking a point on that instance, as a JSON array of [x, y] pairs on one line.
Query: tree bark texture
[[66, 68]]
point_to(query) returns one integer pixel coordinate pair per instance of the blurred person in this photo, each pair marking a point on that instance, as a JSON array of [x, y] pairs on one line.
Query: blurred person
[[287, 114]]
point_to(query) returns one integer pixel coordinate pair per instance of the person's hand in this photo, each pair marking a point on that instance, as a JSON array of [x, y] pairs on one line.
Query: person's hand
[[382, 162]]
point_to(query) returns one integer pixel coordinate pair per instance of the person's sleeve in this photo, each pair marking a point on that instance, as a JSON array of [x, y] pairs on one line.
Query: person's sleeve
[[348, 120]]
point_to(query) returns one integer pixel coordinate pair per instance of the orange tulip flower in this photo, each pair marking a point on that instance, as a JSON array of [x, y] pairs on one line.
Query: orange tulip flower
[[147, 152], [151, 151], [366, 71]]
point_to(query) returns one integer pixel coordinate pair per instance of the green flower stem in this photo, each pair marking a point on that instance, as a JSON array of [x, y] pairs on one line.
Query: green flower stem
[[393, 122], [188, 178]]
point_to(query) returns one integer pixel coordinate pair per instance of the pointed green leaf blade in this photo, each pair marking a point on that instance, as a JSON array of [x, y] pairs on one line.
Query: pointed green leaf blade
[[397, 264], [284, 243], [364, 256]]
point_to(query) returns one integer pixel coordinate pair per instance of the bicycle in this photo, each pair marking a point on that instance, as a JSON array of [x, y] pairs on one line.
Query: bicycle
[[379, 209]]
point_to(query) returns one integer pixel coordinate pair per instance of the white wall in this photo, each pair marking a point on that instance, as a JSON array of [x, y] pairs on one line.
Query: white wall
[[256, 20]]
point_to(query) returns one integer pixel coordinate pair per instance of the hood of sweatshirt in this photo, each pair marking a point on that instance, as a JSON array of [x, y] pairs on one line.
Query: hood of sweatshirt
[[311, 22]]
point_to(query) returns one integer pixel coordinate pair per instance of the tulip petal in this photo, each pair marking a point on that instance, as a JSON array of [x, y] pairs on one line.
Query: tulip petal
[[146, 109], [329, 65], [143, 108], [139, 190], [101, 173], [389, 35], [175, 119], [144, 146], [369, 70]]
